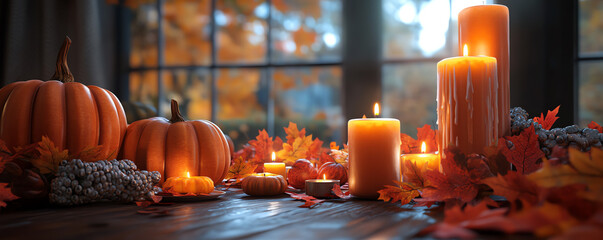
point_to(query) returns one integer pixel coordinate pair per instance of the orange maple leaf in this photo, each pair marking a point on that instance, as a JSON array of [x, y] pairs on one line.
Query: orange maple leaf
[[333, 146], [315, 150], [293, 133], [240, 169], [414, 174], [596, 126], [50, 156], [299, 149], [5, 194], [263, 147], [514, 186], [404, 193], [427, 135], [551, 117]]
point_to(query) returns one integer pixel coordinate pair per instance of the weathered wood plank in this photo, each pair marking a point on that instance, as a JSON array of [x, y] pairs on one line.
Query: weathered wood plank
[[234, 215]]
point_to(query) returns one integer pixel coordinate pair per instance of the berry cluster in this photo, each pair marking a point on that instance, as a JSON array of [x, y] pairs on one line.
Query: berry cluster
[[582, 138], [80, 182]]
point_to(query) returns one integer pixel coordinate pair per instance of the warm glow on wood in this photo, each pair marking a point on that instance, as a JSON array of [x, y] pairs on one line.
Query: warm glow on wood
[[376, 109], [465, 50], [423, 147]]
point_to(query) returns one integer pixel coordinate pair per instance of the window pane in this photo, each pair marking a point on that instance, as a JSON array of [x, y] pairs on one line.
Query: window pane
[[310, 97], [242, 96], [591, 27], [143, 96], [306, 30], [186, 27], [591, 92], [192, 90], [416, 29], [409, 94], [241, 31], [144, 35]]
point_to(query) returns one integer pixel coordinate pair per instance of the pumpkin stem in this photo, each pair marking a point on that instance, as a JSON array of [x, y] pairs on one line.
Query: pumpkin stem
[[62, 72], [176, 116]]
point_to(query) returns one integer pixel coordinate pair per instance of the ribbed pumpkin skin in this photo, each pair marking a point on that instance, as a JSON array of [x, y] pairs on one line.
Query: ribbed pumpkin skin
[[264, 184], [198, 184], [74, 116], [174, 148]]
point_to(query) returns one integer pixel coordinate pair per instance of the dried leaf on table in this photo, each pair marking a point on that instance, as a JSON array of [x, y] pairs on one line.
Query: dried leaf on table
[[525, 154], [50, 156], [548, 121], [404, 193], [514, 186], [5, 194], [455, 183], [310, 201], [339, 193]]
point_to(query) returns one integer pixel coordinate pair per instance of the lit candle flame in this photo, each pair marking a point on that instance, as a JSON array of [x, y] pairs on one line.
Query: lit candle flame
[[273, 156], [324, 176], [188, 174], [423, 147], [465, 50], [376, 109]]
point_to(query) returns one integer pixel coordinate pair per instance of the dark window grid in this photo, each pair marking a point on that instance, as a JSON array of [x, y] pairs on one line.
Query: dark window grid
[[268, 65]]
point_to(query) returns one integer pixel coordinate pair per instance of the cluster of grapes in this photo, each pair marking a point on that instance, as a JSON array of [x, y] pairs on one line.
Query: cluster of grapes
[[80, 182], [582, 138]]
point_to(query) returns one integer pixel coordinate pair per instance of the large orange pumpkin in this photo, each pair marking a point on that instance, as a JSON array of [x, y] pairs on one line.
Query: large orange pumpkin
[[74, 116], [174, 147]]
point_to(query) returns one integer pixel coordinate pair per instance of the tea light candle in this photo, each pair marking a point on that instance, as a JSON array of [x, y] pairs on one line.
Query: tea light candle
[[276, 167], [424, 161], [320, 188], [374, 154]]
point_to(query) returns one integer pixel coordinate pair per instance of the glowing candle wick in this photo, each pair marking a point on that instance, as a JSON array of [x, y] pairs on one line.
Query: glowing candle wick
[[324, 176], [376, 109], [188, 174], [273, 156], [423, 147]]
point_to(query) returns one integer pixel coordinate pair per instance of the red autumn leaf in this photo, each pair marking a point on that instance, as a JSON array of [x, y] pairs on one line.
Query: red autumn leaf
[[293, 133], [596, 126], [408, 144], [240, 169], [263, 147], [548, 121], [50, 156], [339, 193], [570, 197], [277, 144], [591, 229], [310, 201], [514, 186], [525, 152], [325, 157], [454, 183], [5, 194], [333, 146], [245, 153], [404, 193], [427, 135], [414, 175]]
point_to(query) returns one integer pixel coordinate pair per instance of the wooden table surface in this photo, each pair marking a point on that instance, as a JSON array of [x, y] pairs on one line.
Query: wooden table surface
[[234, 215]]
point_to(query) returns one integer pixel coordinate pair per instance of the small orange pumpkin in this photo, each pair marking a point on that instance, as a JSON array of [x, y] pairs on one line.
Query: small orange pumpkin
[[333, 170], [72, 115], [174, 147], [264, 184], [196, 184]]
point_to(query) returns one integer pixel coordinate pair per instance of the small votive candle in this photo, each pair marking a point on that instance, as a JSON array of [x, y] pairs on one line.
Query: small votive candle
[[424, 161], [276, 167], [320, 188]]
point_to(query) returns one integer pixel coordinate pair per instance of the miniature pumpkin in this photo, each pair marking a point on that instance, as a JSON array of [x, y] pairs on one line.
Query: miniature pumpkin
[[174, 147], [194, 185], [333, 170], [264, 184], [74, 116]]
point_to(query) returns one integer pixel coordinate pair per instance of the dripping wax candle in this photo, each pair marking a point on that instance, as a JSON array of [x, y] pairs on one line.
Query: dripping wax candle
[[467, 106], [485, 30], [374, 154]]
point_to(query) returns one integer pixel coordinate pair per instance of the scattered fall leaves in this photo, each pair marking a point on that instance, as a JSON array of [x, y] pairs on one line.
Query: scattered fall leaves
[[5, 194], [596, 126], [50, 156], [404, 193], [239, 169]]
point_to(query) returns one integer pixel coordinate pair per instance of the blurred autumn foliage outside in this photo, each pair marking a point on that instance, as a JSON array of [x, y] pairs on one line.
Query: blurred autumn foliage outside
[[590, 72]]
